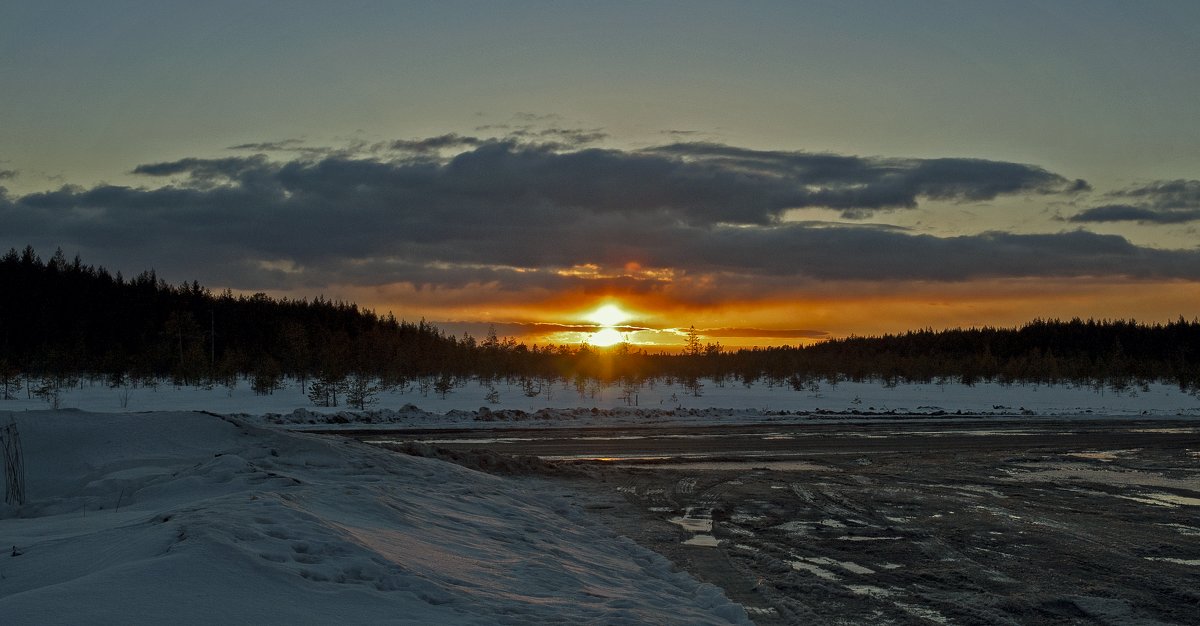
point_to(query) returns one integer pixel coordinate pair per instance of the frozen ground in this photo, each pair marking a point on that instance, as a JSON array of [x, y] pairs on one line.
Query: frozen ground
[[194, 518], [1021, 529], [143, 512]]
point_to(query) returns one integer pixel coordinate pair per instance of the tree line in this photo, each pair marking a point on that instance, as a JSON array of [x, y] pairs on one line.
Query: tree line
[[61, 319]]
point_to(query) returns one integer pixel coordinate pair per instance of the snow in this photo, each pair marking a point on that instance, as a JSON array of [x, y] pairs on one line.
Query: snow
[[662, 404], [178, 517]]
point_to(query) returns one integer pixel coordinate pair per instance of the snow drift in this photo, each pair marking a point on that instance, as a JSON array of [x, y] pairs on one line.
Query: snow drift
[[194, 518]]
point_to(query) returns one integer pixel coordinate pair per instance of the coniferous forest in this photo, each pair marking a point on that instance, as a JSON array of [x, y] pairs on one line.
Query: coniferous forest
[[61, 320]]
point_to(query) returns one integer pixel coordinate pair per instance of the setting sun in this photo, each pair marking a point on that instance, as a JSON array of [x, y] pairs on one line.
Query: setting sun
[[606, 337], [608, 315]]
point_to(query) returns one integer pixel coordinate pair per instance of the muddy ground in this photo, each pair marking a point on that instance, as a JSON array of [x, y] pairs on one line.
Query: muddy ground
[[1006, 530]]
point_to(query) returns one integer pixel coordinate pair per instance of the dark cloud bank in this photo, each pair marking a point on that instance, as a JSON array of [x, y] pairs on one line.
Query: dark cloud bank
[[1161, 202], [516, 212]]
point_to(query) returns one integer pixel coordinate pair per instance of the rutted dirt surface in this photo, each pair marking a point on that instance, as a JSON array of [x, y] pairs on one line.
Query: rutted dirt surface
[[1010, 529]]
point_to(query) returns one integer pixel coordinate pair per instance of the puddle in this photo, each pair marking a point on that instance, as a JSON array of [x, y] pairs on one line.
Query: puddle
[[794, 528], [738, 530], [746, 518], [870, 591], [859, 538], [699, 522], [849, 566], [1169, 431], [747, 548], [923, 613], [1167, 559], [820, 572], [1168, 500], [692, 524], [467, 441], [1057, 472], [972, 433], [759, 610], [779, 466], [1102, 455], [661, 509], [1190, 531], [888, 566]]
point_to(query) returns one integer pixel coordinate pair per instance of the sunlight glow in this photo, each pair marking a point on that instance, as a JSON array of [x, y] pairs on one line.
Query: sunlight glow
[[606, 337], [608, 315]]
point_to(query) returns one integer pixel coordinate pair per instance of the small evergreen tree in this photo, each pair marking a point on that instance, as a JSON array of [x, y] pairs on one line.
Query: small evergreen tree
[[324, 390], [361, 391]]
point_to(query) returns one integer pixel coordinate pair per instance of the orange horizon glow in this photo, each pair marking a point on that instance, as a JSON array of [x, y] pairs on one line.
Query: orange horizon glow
[[657, 320]]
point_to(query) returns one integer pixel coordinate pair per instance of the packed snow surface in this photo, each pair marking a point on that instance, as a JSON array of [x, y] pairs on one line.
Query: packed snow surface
[[657, 404], [194, 518]]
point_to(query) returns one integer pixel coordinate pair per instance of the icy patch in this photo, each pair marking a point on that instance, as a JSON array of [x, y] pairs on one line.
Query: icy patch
[[849, 566], [1168, 500], [707, 541], [819, 572], [757, 610], [860, 538], [1106, 456], [697, 521], [716, 466], [1058, 472], [694, 521], [1167, 559], [1190, 531], [794, 528], [871, 591], [923, 613], [485, 440], [746, 518], [738, 530]]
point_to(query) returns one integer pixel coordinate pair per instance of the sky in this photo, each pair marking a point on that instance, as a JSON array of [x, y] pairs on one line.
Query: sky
[[766, 172]]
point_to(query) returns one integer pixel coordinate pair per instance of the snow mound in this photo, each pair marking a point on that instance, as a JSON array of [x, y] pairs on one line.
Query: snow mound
[[191, 518]]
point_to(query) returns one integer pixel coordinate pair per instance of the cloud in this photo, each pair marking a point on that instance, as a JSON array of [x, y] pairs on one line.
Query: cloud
[[282, 145], [761, 333], [692, 221], [1159, 202], [8, 174], [859, 186], [434, 144]]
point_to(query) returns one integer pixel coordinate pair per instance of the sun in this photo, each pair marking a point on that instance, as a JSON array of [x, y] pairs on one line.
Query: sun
[[605, 337], [608, 315]]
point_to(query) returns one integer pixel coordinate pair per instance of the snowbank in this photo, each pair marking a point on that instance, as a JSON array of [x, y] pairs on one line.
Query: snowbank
[[658, 403], [191, 518]]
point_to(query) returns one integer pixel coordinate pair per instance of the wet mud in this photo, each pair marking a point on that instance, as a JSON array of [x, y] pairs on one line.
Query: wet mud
[[1029, 535], [1014, 524]]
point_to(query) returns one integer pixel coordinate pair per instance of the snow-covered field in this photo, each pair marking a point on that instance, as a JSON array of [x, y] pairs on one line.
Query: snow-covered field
[[142, 510], [658, 404], [194, 518]]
